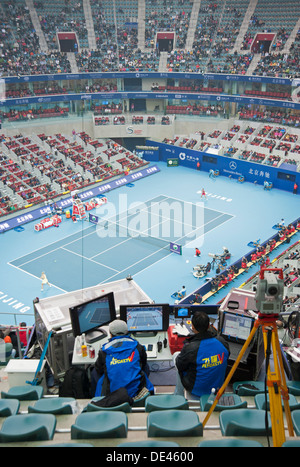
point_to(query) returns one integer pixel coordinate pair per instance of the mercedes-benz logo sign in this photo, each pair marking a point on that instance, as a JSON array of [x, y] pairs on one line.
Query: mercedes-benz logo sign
[[232, 165]]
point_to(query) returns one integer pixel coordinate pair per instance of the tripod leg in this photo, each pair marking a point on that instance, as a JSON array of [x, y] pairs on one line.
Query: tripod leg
[[284, 389], [276, 387], [231, 373]]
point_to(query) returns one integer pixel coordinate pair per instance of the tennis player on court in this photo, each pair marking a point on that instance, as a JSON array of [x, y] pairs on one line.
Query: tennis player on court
[[44, 281], [203, 194]]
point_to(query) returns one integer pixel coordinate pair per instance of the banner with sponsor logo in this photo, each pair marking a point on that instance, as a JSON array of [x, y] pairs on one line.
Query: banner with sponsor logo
[[235, 168]]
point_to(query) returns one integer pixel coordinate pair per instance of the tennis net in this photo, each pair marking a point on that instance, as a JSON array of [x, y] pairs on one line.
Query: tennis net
[[108, 228]]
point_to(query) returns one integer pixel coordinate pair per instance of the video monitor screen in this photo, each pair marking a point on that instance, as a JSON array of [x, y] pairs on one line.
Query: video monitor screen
[[145, 318], [236, 327], [93, 314], [182, 312]]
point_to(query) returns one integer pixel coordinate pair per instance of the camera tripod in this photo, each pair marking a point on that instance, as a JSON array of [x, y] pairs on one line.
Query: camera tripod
[[276, 381]]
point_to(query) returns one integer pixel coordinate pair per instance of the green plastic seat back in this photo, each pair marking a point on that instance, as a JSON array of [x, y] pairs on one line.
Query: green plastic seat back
[[100, 424], [29, 427], [244, 422], [55, 405], [9, 407], [260, 403], [291, 443], [141, 402], [293, 387], [125, 407], [229, 443], [166, 402], [25, 392], [174, 423], [248, 388], [151, 443], [205, 403], [69, 445], [295, 414]]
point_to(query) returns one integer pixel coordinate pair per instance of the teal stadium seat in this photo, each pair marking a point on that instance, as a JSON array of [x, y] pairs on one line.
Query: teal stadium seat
[[24, 393], [260, 402], [69, 445], [9, 407], [125, 407], [244, 422], [93, 425], [141, 402], [230, 443], [293, 387], [149, 444], [166, 402], [55, 405], [248, 388], [291, 443], [29, 427], [296, 421], [205, 403], [172, 423]]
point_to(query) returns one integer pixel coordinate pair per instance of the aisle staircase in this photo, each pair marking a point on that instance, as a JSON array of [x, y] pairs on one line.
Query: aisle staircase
[[73, 63], [244, 27], [192, 25], [89, 24], [141, 25], [163, 59], [36, 25]]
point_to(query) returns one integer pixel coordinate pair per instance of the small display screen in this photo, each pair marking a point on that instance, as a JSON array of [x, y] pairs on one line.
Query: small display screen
[[144, 318], [237, 326], [93, 314], [182, 312]]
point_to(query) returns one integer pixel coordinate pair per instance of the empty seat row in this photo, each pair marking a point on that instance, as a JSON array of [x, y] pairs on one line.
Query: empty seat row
[[168, 416], [151, 403], [160, 424]]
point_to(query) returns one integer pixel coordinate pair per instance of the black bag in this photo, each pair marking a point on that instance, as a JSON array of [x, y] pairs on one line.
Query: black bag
[[75, 384], [117, 397]]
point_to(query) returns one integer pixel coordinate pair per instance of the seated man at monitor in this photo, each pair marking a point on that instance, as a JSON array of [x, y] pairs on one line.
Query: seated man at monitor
[[202, 362], [122, 362]]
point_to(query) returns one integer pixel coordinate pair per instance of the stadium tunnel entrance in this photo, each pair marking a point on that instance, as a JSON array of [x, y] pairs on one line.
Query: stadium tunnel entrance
[[67, 41], [165, 41]]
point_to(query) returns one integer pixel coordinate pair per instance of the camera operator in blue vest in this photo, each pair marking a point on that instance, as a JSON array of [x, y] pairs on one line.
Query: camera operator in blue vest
[[202, 362], [122, 362]]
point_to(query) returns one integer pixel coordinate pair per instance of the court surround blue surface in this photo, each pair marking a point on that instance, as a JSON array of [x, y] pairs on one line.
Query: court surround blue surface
[[234, 215]]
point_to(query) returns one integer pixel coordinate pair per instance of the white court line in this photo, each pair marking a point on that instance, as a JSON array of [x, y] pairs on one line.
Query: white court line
[[131, 238], [65, 244], [32, 275], [89, 259], [160, 224], [145, 257], [115, 246], [128, 211], [34, 259], [93, 232], [205, 207], [161, 259]]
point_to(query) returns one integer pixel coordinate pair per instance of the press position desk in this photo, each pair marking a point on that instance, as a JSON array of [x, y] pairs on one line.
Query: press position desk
[[163, 356]]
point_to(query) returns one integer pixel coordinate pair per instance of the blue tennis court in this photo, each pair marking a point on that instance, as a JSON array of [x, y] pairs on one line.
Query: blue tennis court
[[164, 207], [112, 249]]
